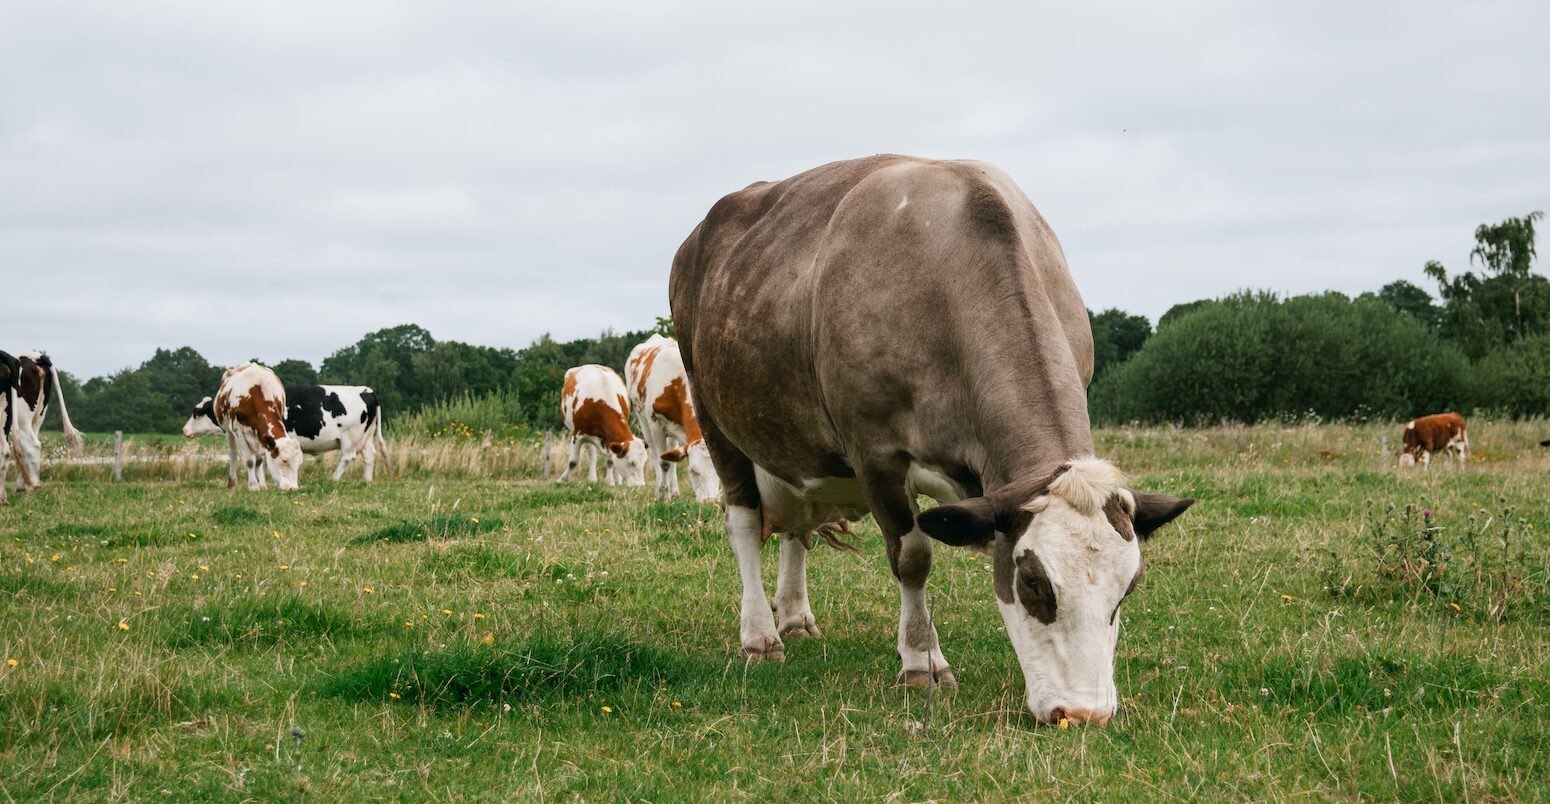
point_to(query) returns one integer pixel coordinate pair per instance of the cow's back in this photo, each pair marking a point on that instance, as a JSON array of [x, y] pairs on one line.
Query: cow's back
[[878, 304]]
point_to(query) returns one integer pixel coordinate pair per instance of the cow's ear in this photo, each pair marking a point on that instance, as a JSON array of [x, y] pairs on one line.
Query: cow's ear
[[674, 455], [619, 448], [1155, 510], [971, 522]]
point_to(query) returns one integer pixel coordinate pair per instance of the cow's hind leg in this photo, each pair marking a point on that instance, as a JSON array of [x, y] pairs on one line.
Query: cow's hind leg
[[745, 530], [369, 457], [575, 455], [791, 604]]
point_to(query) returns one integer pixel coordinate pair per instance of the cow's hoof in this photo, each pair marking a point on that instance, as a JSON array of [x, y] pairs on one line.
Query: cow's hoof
[[765, 650], [801, 625], [923, 678]]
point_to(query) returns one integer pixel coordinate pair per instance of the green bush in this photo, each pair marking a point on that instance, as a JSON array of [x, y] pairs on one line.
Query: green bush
[[467, 417], [1256, 356], [1514, 379]]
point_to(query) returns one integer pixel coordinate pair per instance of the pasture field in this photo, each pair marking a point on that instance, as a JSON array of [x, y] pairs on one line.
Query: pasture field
[[464, 630]]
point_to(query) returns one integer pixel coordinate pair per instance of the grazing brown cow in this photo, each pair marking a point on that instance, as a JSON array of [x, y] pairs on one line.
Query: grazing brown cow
[[597, 412], [882, 327], [250, 407], [1440, 432]]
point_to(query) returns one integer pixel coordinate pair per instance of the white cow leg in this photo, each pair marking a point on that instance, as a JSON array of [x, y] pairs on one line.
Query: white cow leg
[[346, 454], [919, 651], [575, 455], [369, 458], [665, 470], [232, 461], [591, 462], [791, 604], [29, 457], [760, 639]]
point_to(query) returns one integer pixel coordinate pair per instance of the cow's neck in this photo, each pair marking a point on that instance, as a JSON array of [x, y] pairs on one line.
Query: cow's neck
[[1033, 420]]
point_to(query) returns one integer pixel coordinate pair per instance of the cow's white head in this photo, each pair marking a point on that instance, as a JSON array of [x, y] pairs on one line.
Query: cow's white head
[[202, 422], [285, 462], [1065, 556], [629, 461], [702, 473]]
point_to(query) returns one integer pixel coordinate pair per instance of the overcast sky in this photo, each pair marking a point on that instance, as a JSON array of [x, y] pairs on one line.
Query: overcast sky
[[276, 179]]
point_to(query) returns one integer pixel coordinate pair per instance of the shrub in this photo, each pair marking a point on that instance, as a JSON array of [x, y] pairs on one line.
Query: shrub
[[1256, 356], [1514, 379]]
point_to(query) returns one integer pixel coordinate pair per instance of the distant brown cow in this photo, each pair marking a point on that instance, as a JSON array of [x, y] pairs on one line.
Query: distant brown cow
[[1441, 432]]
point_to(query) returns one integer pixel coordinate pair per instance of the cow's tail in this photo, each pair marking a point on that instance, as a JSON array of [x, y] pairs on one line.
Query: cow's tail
[[376, 435], [72, 435]]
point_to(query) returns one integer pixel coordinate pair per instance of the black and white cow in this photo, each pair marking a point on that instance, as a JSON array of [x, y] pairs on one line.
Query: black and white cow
[[36, 386], [9, 370], [323, 418]]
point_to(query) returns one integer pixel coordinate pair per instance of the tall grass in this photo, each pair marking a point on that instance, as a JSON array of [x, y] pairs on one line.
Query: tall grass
[[468, 417]]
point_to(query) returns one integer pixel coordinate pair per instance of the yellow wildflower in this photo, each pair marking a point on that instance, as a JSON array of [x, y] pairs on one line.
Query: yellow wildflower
[[54, 557], [1287, 598], [304, 584], [368, 590], [489, 639], [393, 695], [608, 710], [123, 626], [678, 704], [277, 534], [193, 577], [1065, 723], [1456, 607], [11, 663], [447, 612], [478, 615], [204, 567]]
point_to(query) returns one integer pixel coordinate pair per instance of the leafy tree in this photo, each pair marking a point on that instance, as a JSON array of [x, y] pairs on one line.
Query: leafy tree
[[1507, 302], [296, 372], [1116, 336], [1407, 297], [1179, 311], [1255, 356], [666, 329], [1515, 379]]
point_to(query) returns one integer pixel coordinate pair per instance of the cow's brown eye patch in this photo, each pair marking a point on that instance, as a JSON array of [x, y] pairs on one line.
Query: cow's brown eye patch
[[1034, 588], [1114, 509]]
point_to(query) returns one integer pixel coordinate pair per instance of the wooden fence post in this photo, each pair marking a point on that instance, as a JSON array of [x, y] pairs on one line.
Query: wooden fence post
[[548, 440], [118, 456]]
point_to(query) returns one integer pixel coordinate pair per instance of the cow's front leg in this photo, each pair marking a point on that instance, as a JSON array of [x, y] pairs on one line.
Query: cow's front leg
[[791, 604], [346, 454], [746, 533], [919, 651], [369, 459], [29, 457], [255, 467]]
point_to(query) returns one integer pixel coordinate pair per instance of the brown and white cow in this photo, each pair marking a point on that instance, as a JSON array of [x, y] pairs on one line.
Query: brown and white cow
[[37, 386], [1439, 432], [597, 412], [659, 390], [882, 327], [250, 407]]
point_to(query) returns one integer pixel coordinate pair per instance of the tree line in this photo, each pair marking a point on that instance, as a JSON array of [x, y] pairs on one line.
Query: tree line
[[1482, 343], [407, 367]]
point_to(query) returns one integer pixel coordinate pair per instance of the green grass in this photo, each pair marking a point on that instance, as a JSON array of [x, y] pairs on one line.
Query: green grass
[[452, 633]]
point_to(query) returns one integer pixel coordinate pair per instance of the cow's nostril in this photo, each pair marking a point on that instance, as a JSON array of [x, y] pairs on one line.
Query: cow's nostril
[[1057, 714]]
